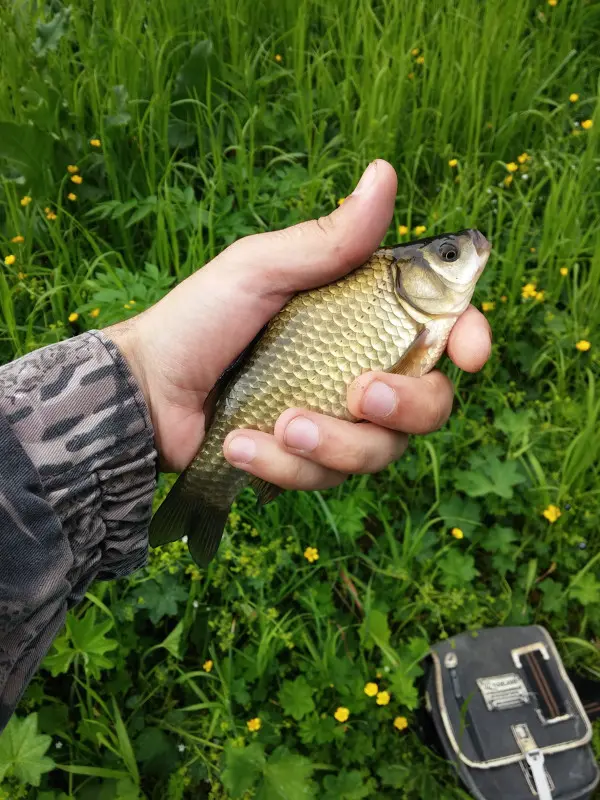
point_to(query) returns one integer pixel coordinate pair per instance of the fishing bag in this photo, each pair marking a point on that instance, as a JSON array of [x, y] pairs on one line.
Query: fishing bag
[[498, 703]]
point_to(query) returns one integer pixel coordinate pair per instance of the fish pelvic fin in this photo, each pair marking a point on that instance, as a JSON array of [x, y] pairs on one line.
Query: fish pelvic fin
[[180, 515], [265, 492]]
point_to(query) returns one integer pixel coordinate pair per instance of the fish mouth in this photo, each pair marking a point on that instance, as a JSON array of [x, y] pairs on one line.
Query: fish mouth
[[482, 245]]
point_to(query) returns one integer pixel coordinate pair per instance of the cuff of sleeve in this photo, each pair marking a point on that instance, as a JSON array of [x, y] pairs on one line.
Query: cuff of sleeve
[[82, 420]]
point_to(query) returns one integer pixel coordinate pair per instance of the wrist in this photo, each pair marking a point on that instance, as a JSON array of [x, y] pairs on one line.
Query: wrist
[[125, 335]]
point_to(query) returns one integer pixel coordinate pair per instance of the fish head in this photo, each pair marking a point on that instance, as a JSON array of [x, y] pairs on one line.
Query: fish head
[[437, 276]]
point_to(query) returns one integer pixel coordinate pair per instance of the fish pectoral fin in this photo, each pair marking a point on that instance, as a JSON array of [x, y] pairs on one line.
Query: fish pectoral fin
[[411, 362], [265, 491], [180, 515]]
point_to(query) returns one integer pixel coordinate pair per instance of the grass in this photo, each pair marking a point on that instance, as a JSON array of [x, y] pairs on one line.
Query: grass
[[219, 119]]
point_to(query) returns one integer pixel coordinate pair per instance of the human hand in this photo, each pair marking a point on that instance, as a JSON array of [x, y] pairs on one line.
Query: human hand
[[178, 348]]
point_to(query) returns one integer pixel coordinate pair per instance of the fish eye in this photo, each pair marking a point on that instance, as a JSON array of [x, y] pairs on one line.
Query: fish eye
[[449, 251]]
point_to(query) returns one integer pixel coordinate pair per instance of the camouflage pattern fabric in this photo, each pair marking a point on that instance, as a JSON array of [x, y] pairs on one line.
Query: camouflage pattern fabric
[[77, 477]]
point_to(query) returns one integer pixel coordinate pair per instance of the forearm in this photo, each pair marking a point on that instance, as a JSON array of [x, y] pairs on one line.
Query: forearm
[[77, 477]]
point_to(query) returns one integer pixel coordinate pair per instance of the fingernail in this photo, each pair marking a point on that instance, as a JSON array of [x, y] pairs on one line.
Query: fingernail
[[241, 449], [367, 179], [301, 434], [379, 400]]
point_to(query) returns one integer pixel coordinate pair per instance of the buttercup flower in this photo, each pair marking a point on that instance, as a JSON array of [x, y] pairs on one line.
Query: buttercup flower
[[21, 276], [420, 60], [207, 666], [311, 554], [72, 169], [383, 698], [95, 142], [18, 239], [10, 260], [410, 76], [488, 305], [420, 229], [564, 271], [573, 97], [453, 162], [508, 180], [341, 714], [583, 345], [529, 290], [254, 724], [540, 296], [552, 513], [415, 51], [523, 158], [512, 167], [587, 124], [95, 312], [73, 317], [503, 298], [72, 197], [341, 200], [402, 230], [77, 179], [25, 201], [401, 723], [51, 216], [371, 689], [552, 2], [457, 533], [278, 58]]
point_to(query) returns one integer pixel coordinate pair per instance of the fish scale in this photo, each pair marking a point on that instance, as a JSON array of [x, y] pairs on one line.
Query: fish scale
[[316, 347]]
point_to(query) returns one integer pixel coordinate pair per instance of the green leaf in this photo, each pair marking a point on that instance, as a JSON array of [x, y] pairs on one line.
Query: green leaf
[[243, 766], [459, 513], [586, 590], [514, 423], [23, 751], [156, 750], [161, 600], [499, 540], [50, 33], [192, 78], [120, 102], [458, 569], [85, 640], [287, 777], [174, 640], [493, 477], [374, 630], [394, 775], [348, 786], [296, 698], [553, 595], [25, 147]]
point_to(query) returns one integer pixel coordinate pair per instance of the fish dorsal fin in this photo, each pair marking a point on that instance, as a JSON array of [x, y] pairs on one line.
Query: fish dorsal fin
[[225, 379]]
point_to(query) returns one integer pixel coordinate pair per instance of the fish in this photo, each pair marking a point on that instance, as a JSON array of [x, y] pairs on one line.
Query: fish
[[393, 313]]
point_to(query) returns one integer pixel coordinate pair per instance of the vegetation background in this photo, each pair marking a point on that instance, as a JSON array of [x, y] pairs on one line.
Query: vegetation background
[[137, 139]]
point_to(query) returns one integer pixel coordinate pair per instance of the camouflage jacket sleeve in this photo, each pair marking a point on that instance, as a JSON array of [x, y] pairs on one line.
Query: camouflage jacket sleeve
[[77, 477]]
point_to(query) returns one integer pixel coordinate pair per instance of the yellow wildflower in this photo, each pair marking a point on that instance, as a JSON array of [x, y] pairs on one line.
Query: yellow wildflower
[[10, 260], [420, 229], [453, 162], [457, 533], [95, 142], [95, 312], [72, 196], [127, 306], [512, 167], [532, 250], [552, 2], [420, 60], [529, 290], [254, 724], [587, 124], [25, 201], [583, 345], [402, 230], [415, 51], [383, 698], [503, 298], [72, 169], [508, 180], [540, 296], [523, 158], [401, 723], [573, 97], [371, 689], [341, 200], [278, 58], [410, 76], [564, 271], [488, 305], [73, 317], [552, 513], [51, 216], [311, 554], [77, 179], [341, 714], [21, 275], [207, 666], [18, 239]]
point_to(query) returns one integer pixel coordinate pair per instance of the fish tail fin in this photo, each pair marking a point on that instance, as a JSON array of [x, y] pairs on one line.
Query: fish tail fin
[[180, 515]]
